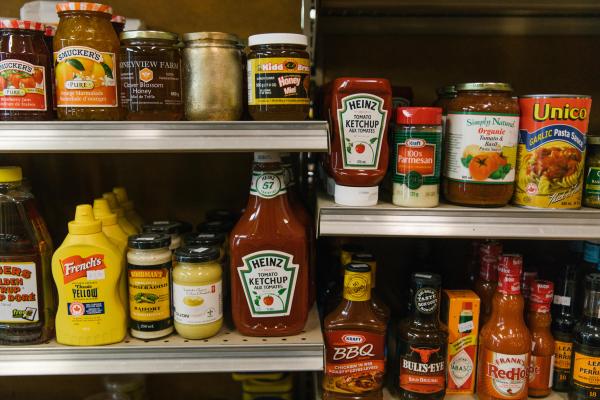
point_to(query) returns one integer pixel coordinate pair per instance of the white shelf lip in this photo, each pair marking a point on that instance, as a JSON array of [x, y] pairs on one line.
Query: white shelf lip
[[227, 352], [176, 136], [449, 221]]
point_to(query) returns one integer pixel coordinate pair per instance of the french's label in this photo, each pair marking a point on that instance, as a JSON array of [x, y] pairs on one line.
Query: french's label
[[269, 280], [278, 81], [22, 86], [362, 120], [354, 362], [268, 184], [503, 376], [422, 368], [77, 267], [18, 293]]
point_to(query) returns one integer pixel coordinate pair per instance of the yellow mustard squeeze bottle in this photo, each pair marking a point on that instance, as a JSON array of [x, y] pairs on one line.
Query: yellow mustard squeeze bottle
[[125, 224], [116, 235], [128, 207], [86, 270]]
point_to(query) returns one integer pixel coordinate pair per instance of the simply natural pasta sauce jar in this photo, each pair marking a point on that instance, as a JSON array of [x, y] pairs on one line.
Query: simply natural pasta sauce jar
[[551, 156]]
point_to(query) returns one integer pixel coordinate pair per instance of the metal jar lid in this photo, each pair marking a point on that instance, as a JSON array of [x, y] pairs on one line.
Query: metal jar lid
[[197, 254], [226, 37], [149, 241], [492, 86], [555, 95], [161, 35], [593, 140]]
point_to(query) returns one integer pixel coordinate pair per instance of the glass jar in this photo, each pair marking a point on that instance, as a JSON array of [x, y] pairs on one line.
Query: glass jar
[[86, 51], [206, 239], [416, 156], [171, 228], [133, 386], [25, 72], [198, 292], [212, 65], [151, 76], [149, 271], [482, 130], [278, 77], [592, 177], [118, 23]]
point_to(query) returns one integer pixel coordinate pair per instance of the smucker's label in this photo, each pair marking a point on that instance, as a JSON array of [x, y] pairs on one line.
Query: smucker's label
[[149, 297], [22, 86], [18, 293], [278, 81]]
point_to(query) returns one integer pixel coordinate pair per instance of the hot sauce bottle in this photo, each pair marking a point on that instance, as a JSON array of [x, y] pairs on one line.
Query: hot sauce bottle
[[563, 323], [542, 349], [378, 304], [505, 342], [485, 286], [585, 361], [354, 341], [422, 342], [269, 258]]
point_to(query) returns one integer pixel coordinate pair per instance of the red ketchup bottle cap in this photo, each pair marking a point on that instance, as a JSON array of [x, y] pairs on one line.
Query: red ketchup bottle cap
[[419, 115]]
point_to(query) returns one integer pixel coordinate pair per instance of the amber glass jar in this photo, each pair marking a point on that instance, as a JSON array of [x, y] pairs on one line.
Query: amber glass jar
[[151, 76], [86, 56], [25, 77], [278, 77], [482, 130]]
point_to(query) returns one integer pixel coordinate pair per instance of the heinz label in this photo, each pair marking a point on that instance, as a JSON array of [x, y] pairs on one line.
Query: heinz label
[[278, 81], [85, 77], [22, 86], [18, 293], [268, 184], [422, 367], [354, 362], [503, 376], [362, 121], [269, 281], [552, 143]]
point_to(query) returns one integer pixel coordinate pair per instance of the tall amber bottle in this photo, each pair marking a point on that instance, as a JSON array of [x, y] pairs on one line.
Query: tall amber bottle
[[505, 342], [542, 348], [269, 258], [376, 302], [485, 286]]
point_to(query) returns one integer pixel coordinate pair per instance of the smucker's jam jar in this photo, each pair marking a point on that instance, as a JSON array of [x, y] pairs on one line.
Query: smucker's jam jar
[[25, 77], [278, 77], [482, 129], [86, 57], [151, 76]]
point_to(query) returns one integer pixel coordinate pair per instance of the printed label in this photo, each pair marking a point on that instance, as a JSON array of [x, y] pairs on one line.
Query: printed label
[[541, 370], [85, 78], [562, 355], [84, 274], [422, 367], [269, 281], [503, 376], [149, 297], [561, 300], [592, 182], [552, 142], [362, 121], [417, 157], [460, 369], [482, 147], [268, 185], [357, 286], [77, 267], [278, 80], [18, 293], [22, 86], [354, 362], [586, 371], [153, 82], [200, 304], [426, 300]]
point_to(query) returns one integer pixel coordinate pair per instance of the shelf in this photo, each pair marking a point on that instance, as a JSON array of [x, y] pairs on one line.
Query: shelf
[[227, 352], [179, 136], [554, 396], [386, 219]]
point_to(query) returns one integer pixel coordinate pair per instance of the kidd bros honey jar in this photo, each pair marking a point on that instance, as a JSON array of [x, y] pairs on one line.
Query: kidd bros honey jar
[[551, 154]]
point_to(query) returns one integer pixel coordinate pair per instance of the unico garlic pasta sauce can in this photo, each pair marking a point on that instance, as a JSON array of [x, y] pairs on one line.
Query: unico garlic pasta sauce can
[[551, 151]]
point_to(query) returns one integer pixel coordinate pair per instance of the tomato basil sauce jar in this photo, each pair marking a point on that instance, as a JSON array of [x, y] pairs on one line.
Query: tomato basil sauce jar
[[482, 130], [278, 77], [25, 77]]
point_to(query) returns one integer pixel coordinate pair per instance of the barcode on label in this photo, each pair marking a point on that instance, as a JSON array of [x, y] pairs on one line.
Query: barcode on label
[[95, 275]]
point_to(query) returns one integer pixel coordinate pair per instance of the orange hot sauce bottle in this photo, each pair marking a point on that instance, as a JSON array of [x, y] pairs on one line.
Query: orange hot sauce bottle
[[487, 280], [505, 342], [542, 350]]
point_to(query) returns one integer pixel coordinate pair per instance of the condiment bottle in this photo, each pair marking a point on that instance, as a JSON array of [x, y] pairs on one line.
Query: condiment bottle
[[128, 207], [542, 349], [198, 239], [149, 271], [25, 72], [87, 268], [416, 156], [197, 292], [269, 258], [354, 341], [505, 341], [217, 226], [25, 257], [527, 279], [422, 342], [171, 228], [591, 258], [86, 58], [360, 112], [563, 323], [124, 223], [585, 362], [377, 303], [485, 286], [592, 173]]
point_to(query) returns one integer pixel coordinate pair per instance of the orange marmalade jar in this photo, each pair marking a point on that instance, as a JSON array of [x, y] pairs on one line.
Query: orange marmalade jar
[[86, 51]]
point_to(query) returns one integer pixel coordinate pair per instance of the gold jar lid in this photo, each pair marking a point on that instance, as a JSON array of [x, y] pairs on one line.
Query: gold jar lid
[[227, 37], [593, 140], [492, 86], [161, 35]]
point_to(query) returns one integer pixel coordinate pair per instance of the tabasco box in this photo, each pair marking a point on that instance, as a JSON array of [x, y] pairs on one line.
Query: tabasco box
[[461, 315]]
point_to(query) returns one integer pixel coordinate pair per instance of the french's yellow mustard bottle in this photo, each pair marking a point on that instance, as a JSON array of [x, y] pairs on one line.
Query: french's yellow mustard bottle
[[125, 224], [128, 206]]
